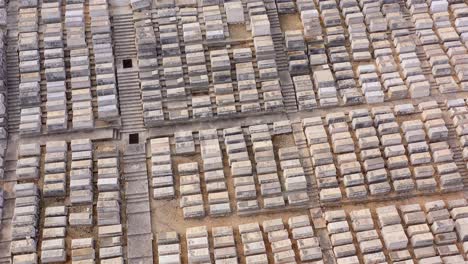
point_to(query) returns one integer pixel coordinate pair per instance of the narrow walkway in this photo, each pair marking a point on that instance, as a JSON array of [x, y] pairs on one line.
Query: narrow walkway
[[13, 111], [131, 109], [13, 75], [287, 88], [128, 82], [139, 235]]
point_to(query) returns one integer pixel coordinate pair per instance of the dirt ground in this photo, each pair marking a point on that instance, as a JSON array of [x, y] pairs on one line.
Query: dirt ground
[[290, 22], [239, 32]]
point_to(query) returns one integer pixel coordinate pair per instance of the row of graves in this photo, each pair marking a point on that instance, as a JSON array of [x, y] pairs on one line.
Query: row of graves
[[444, 48], [396, 61], [54, 232], [393, 70], [56, 168], [433, 232], [80, 73], [187, 71], [106, 220], [457, 109], [104, 68], [326, 52], [54, 228], [54, 64], [58, 38], [25, 223], [108, 207], [27, 213], [29, 69], [145, 42], [273, 234], [191, 197], [265, 54], [458, 14], [81, 174], [27, 210], [291, 242], [66, 176], [3, 85], [264, 176], [80, 213], [294, 40], [212, 167], [401, 150]]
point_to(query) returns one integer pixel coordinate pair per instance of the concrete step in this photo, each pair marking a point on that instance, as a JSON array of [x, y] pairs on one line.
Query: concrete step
[[124, 36], [135, 158], [130, 101], [13, 81], [12, 71], [131, 107], [130, 97]]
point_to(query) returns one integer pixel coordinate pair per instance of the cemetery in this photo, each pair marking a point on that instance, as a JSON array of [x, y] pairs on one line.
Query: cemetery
[[234, 131]]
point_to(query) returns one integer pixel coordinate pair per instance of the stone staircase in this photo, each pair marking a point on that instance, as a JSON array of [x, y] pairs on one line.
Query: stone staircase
[[287, 88], [131, 109], [13, 77], [457, 154], [139, 235], [124, 36], [288, 91], [13, 80], [277, 36], [453, 141], [426, 67]]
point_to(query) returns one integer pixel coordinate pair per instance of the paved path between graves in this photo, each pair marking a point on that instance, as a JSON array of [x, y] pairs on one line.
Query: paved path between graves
[[139, 234], [220, 123]]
